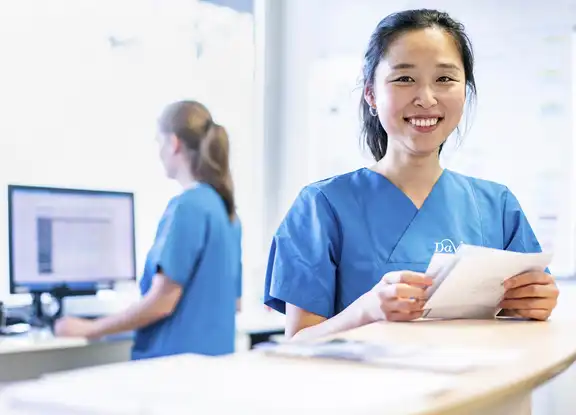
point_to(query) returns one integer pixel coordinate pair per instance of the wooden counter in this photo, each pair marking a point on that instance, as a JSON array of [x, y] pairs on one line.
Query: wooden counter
[[255, 383]]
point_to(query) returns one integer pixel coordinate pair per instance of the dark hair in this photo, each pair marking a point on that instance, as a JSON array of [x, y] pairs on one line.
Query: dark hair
[[207, 143], [385, 33]]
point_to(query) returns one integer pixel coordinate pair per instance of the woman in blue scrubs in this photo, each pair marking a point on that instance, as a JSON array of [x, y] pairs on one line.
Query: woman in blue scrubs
[[353, 248], [192, 277]]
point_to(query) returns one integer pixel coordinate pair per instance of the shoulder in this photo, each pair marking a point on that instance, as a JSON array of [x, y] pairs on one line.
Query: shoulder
[[329, 190], [193, 204], [316, 204], [337, 183], [202, 198], [482, 188], [489, 194], [320, 198]]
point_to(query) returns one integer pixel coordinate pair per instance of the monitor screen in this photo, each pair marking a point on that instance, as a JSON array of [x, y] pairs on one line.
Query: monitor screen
[[81, 239]]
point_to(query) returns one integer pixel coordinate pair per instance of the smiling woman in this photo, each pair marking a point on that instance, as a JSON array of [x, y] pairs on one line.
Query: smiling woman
[[353, 248], [434, 63]]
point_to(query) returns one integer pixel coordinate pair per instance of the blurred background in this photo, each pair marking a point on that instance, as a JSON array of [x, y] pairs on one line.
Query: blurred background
[[83, 81]]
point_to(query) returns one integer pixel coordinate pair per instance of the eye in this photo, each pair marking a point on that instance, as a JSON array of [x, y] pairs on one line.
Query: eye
[[444, 79], [404, 79]]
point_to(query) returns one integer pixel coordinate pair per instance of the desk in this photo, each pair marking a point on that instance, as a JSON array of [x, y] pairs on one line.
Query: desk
[[260, 325], [38, 352], [547, 349], [30, 355]]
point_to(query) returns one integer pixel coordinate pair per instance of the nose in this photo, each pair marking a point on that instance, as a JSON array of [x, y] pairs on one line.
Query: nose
[[425, 97]]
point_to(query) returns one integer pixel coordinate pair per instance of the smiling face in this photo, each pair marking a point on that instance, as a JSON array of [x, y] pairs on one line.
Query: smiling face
[[419, 90]]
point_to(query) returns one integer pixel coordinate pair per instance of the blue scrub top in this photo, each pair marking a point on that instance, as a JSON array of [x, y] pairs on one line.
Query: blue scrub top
[[197, 247], [344, 233]]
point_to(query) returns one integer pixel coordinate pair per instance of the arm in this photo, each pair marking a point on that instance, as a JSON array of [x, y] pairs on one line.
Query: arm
[[302, 325], [302, 267], [398, 296], [518, 234], [158, 303], [533, 294]]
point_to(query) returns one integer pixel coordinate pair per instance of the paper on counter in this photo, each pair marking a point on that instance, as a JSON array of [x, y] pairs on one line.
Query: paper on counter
[[470, 284]]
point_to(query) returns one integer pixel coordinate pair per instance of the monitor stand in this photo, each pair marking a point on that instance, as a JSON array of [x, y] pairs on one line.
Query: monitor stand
[[40, 319]]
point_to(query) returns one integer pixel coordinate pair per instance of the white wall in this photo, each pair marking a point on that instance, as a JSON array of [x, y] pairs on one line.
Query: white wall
[[512, 40], [78, 113]]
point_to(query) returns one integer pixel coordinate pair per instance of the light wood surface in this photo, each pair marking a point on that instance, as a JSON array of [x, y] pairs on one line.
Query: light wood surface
[[253, 381], [31, 342], [548, 348], [36, 353]]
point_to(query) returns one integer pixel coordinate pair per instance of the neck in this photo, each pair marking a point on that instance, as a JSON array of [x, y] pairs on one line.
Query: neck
[[410, 172], [185, 179]]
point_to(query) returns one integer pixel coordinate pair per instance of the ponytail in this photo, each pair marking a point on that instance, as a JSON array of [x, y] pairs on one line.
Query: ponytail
[[212, 165]]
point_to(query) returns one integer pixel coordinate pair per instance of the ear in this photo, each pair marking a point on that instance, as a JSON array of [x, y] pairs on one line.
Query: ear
[[175, 143], [369, 95]]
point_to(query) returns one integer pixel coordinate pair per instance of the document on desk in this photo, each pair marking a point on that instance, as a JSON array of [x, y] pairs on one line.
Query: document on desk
[[469, 283], [437, 359]]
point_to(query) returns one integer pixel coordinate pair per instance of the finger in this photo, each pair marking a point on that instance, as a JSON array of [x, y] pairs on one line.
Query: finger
[[405, 305], [527, 278], [528, 304], [392, 291], [397, 316], [532, 291], [407, 277], [540, 315]]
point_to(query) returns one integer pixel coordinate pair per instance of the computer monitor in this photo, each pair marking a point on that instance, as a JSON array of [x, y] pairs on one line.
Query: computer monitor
[[69, 241]]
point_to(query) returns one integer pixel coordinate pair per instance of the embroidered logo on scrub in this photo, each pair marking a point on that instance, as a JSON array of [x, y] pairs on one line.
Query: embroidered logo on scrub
[[446, 246]]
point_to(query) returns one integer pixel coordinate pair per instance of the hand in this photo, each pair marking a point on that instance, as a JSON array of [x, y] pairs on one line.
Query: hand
[[74, 327], [530, 295], [400, 296]]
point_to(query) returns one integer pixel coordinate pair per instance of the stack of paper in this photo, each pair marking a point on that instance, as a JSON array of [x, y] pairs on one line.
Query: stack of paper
[[469, 283]]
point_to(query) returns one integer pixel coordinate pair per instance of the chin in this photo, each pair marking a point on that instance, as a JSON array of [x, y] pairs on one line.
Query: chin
[[422, 149], [427, 142]]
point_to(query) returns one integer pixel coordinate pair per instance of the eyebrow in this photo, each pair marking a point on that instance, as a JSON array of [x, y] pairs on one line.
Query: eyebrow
[[412, 66]]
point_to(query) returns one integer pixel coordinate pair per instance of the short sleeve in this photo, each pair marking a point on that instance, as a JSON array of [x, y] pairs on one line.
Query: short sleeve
[[303, 257], [182, 242], [518, 234]]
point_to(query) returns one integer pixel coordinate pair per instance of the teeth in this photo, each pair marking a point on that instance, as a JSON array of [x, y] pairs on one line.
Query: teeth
[[423, 122]]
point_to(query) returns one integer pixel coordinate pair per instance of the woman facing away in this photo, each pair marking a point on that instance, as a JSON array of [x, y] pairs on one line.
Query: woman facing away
[[192, 277], [353, 248]]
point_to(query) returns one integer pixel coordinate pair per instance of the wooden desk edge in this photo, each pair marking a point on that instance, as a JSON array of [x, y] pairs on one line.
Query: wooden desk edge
[[56, 344], [473, 394], [492, 396]]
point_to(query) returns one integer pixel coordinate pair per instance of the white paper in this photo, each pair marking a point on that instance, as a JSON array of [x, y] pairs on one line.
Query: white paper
[[472, 287], [440, 265], [438, 359]]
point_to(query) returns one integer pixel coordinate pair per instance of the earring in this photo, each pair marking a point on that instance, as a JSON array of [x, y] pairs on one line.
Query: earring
[[373, 111]]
